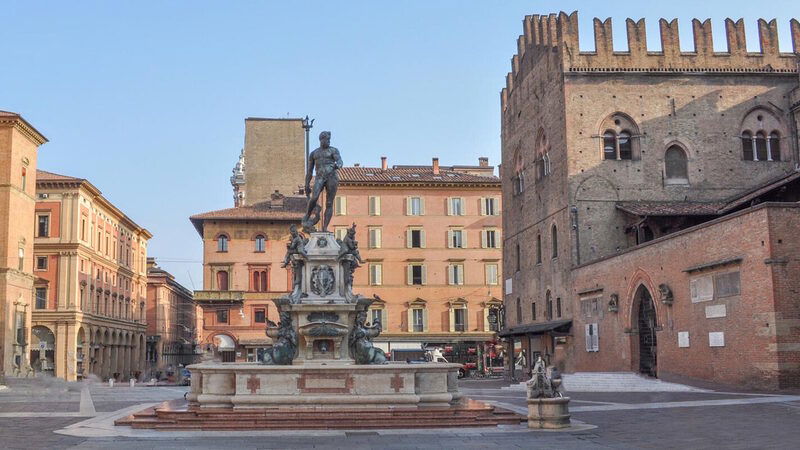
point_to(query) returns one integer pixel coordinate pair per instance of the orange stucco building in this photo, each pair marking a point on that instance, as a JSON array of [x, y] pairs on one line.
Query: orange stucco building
[[91, 278], [19, 143], [429, 236]]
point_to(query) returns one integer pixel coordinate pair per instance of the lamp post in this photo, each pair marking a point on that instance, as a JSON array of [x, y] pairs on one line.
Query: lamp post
[[307, 125]]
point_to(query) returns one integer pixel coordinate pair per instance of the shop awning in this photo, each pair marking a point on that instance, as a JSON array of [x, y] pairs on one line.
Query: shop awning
[[537, 328]]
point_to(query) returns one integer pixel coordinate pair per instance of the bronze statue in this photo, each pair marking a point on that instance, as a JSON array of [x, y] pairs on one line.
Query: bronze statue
[[350, 257], [542, 386], [327, 161], [361, 348], [284, 349], [296, 246]]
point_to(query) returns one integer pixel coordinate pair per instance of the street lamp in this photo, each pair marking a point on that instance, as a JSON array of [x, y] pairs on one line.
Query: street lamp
[[307, 125]]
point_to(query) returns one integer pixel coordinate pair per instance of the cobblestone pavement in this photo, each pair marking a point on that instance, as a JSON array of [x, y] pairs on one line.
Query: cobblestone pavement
[[30, 415]]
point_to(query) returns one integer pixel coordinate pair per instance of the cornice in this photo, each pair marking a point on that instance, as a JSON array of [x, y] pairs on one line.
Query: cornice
[[26, 129]]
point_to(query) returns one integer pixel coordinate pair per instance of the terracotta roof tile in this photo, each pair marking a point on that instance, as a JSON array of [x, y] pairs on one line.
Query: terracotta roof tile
[[421, 174], [671, 208], [43, 175], [752, 194]]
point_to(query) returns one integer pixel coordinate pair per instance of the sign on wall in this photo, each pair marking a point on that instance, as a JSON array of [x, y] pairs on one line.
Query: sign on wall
[[683, 339], [716, 339]]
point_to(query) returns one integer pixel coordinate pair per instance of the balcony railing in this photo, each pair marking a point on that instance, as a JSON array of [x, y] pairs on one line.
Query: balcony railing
[[218, 297]]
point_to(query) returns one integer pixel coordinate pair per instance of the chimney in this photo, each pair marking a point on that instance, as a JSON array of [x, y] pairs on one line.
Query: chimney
[[357, 165], [436, 166], [483, 161], [384, 164]]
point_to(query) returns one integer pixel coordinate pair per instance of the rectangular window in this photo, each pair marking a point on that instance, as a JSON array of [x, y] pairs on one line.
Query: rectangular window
[[21, 266], [415, 238], [24, 178], [533, 311], [592, 337], [455, 206], [41, 263], [489, 239], [726, 284], [340, 206], [489, 206], [260, 315], [491, 274], [83, 229], [456, 273], [418, 317], [41, 298], [222, 316], [415, 206], [339, 233], [376, 274], [538, 249], [456, 239], [43, 225], [558, 307], [374, 238], [374, 206], [460, 319], [416, 274]]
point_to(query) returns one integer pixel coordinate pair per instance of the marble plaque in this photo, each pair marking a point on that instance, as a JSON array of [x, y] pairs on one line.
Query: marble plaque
[[716, 339], [715, 311], [683, 339]]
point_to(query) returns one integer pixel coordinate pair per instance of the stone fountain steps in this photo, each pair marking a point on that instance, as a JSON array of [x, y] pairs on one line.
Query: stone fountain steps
[[170, 416]]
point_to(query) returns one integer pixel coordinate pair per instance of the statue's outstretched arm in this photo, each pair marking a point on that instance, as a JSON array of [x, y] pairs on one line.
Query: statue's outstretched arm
[[338, 158]]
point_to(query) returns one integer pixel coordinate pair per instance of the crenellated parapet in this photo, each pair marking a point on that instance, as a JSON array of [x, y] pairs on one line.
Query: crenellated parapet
[[558, 33]]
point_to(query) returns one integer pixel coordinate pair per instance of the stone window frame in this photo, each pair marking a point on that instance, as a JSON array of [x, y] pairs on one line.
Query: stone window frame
[[456, 273], [677, 146], [611, 127], [410, 236], [375, 274], [39, 258], [48, 223], [256, 238], [459, 304], [487, 278], [374, 205], [485, 237], [222, 241], [763, 121], [415, 305]]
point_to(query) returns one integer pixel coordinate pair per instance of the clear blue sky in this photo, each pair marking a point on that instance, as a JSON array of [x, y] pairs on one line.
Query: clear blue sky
[[147, 99]]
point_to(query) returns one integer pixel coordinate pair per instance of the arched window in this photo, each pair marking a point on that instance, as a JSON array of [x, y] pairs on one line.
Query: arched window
[[747, 146], [761, 146], [518, 180], [774, 146], [222, 243], [761, 132], [554, 240], [675, 166], [222, 280], [261, 243], [538, 249], [620, 137]]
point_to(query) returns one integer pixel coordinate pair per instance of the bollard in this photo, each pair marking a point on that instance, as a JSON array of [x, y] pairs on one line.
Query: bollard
[[111, 382], [133, 382]]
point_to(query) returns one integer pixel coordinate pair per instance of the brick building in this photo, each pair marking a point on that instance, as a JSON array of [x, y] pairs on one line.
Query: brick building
[[19, 143], [91, 279], [429, 235], [617, 168], [171, 321]]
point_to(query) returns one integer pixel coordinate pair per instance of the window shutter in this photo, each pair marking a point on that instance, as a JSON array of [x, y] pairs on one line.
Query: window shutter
[[482, 203], [463, 206], [409, 274], [588, 333], [466, 318], [424, 318], [379, 273], [460, 269], [449, 206], [344, 205], [595, 338], [424, 274], [422, 238], [483, 239], [464, 238], [378, 238], [452, 321], [449, 238], [408, 206], [408, 238], [384, 320], [378, 209], [486, 319], [450, 277], [410, 319], [422, 206]]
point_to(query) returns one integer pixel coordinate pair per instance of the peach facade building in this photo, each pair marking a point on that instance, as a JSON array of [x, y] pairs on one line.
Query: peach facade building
[[429, 236], [89, 301], [19, 142], [171, 321]]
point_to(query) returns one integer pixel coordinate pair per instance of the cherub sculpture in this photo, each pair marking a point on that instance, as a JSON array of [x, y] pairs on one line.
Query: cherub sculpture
[[360, 341], [296, 246], [540, 385], [350, 258], [284, 349]]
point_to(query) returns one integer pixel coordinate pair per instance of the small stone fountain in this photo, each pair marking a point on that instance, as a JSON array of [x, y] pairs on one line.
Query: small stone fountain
[[547, 407]]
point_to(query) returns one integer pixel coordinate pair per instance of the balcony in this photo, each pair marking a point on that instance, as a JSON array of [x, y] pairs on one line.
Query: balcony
[[218, 298]]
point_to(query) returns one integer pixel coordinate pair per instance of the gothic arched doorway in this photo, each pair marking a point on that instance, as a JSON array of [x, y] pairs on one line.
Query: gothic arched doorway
[[646, 321]]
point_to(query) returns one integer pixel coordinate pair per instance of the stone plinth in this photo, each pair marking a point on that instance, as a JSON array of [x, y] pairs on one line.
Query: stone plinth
[[334, 385], [548, 413]]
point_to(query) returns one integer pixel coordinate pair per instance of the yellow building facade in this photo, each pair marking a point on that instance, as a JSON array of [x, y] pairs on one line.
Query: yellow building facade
[[91, 279]]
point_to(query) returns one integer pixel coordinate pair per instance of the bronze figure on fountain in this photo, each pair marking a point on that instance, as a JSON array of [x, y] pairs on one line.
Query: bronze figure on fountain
[[327, 161]]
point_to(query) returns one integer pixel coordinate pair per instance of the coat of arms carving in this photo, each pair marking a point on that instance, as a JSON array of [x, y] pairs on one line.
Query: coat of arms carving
[[322, 280]]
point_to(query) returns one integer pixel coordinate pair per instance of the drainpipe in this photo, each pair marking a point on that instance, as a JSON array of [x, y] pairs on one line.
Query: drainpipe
[[574, 213]]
